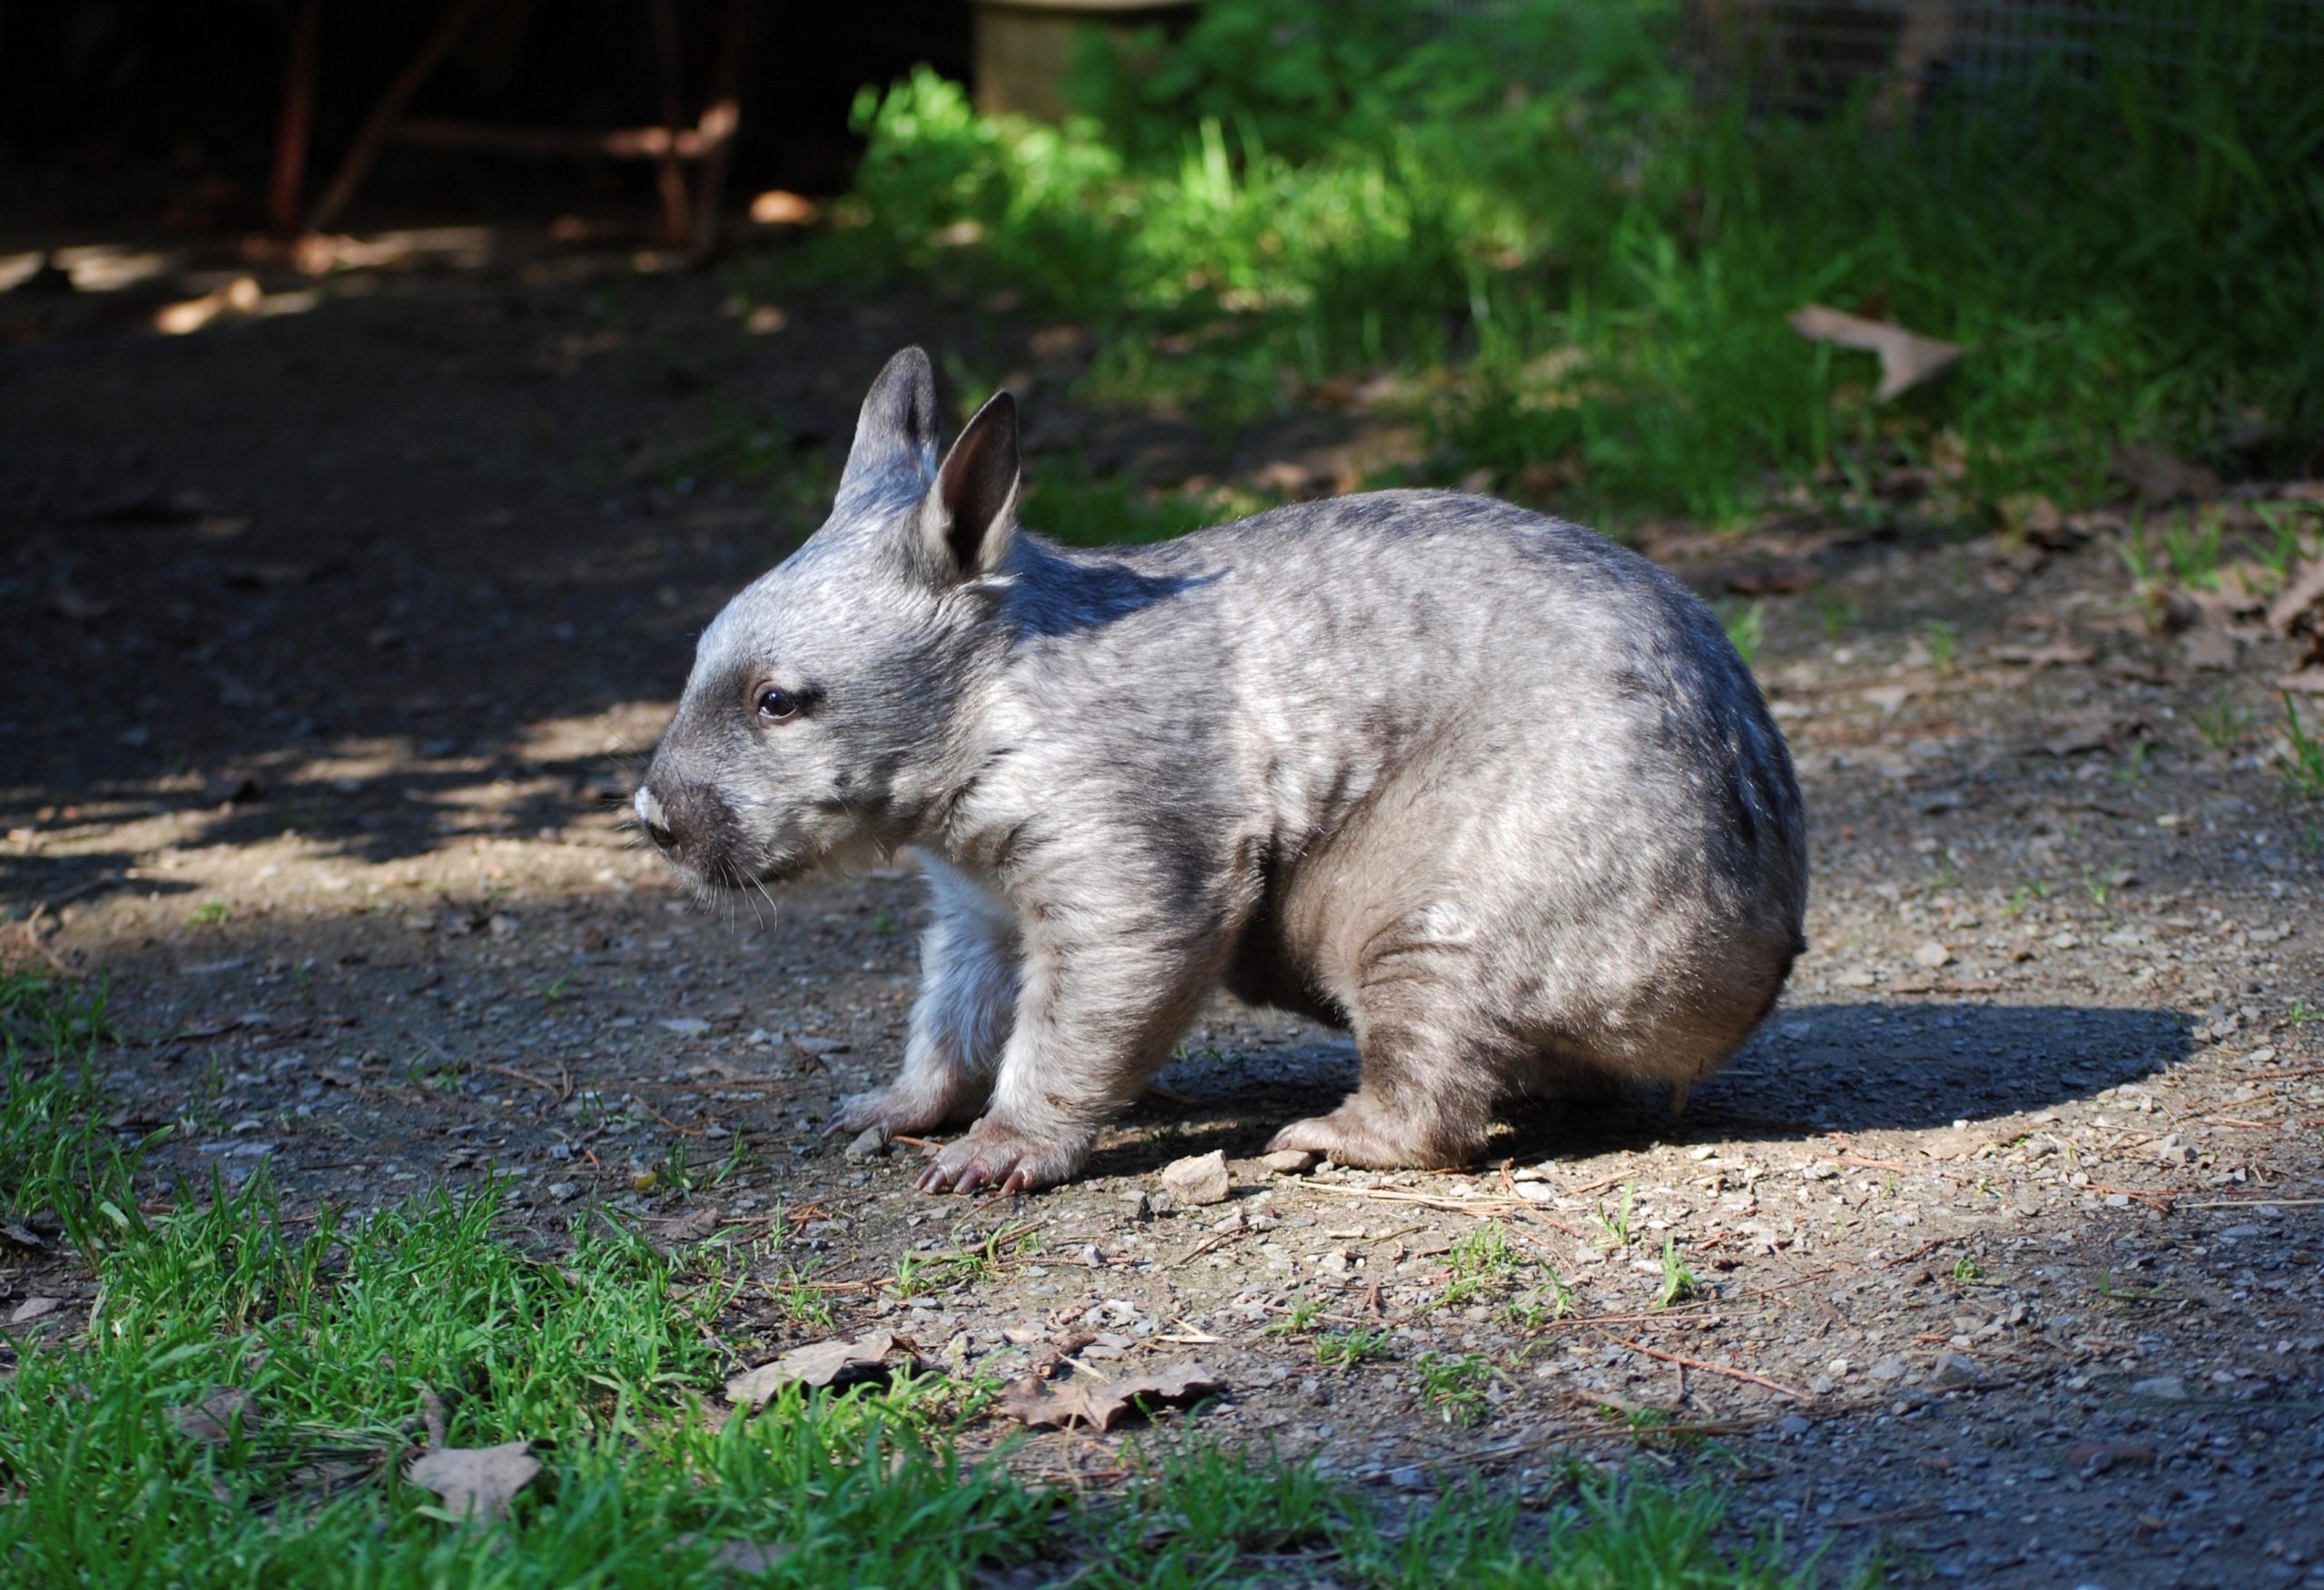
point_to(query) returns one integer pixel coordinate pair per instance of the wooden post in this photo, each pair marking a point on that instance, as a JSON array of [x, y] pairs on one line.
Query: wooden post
[[669, 171], [294, 130], [722, 119], [357, 163]]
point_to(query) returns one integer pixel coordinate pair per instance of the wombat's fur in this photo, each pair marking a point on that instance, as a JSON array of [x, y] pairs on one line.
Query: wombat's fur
[[1486, 789]]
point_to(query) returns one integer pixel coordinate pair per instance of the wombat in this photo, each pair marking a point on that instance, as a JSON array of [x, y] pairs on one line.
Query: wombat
[[1485, 789]]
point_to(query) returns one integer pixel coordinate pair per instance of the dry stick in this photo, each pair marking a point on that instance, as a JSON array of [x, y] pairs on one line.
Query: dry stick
[[2284, 1076], [357, 164], [2248, 1202], [665, 1121], [1396, 1195], [1707, 1367], [523, 1076]]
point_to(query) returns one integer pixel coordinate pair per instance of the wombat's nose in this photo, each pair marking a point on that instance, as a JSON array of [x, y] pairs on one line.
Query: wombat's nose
[[651, 817]]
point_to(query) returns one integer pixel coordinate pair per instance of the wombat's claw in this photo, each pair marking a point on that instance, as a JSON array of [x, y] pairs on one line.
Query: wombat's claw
[[997, 1158]]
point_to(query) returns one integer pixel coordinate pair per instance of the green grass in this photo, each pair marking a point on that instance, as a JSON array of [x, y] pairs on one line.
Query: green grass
[[351, 1336], [1586, 271], [2303, 763]]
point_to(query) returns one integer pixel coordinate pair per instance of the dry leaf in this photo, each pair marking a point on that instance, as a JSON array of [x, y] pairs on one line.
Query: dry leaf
[[2160, 478], [1098, 1405], [824, 1364], [2302, 596], [476, 1482], [2210, 647], [1907, 358], [218, 1417], [691, 1227]]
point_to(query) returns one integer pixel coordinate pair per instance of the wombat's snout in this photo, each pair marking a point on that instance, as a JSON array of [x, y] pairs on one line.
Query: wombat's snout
[[654, 819], [687, 822]]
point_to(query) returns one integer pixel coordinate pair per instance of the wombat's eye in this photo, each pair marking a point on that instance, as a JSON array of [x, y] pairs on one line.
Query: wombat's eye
[[777, 705]]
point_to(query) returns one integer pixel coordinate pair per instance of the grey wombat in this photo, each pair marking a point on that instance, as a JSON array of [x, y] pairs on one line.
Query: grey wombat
[[1484, 788]]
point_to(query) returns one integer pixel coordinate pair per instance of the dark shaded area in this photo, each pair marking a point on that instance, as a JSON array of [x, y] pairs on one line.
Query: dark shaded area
[[161, 111], [1814, 1069]]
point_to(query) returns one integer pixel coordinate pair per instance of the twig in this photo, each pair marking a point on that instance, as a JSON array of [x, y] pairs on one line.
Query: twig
[[2284, 1076], [523, 1076], [1919, 1510], [1398, 1195], [665, 1121], [1707, 1367], [1215, 1240], [2246, 1203]]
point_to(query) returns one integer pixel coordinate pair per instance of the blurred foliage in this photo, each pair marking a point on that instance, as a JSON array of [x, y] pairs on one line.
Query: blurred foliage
[[1578, 276]]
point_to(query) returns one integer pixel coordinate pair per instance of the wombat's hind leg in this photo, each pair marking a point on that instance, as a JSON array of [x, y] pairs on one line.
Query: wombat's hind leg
[[968, 994], [1425, 1101]]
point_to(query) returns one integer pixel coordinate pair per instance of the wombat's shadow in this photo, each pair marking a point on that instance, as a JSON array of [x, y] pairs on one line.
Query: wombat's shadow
[[1811, 1068]]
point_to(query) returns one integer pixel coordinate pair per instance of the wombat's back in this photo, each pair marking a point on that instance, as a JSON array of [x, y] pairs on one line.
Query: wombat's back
[[1463, 734]]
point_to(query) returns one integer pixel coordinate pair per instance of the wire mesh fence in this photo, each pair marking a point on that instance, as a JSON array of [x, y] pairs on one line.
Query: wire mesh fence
[[1903, 57]]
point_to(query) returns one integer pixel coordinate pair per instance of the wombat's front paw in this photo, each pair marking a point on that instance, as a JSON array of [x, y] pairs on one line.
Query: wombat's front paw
[[888, 1111], [1360, 1132], [995, 1155]]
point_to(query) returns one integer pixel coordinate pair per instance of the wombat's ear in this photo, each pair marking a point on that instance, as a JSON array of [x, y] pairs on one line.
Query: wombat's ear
[[895, 434], [969, 520]]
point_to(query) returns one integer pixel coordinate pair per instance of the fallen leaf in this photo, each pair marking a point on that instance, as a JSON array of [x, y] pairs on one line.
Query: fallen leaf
[[33, 1309], [1099, 1405], [2210, 647], [218, 1417], [476, 1482], [2158, 477], [1907, 358], [2302, 596], [825, 1363], [692, 1226], [1776, 580]]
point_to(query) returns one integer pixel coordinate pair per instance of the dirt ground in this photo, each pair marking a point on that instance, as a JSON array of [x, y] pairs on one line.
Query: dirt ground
[[335, 626]]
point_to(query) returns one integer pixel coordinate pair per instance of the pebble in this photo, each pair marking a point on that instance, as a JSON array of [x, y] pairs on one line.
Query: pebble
[[869, 1144], [1198, 1179], [1955, 1370], [1931, 956], [1289, 1161], [686, 1026], [2161, 1388]]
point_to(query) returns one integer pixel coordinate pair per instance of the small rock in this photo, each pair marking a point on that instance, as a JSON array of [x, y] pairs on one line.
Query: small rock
[[2174, 1149], [1889, 1369], [1141, 1207], [1408, 1479], [1289, 1161], [1792, 1424], [1198, 1179], [2160, 1388], [1858, 978], [1954, 1369], [2098, 1456], [33, 1309], [869, 1144], [1931, 956], [1820, 1171], [686, 1026], [1537, 1193]]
